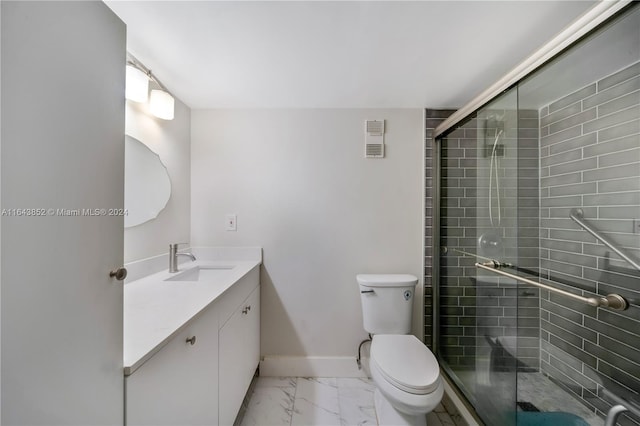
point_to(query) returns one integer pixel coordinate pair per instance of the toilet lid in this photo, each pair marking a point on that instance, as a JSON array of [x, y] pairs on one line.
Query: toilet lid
[[386, 280], [405, 362]]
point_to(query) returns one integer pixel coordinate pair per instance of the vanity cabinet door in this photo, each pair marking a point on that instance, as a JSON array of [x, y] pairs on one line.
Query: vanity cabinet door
[[239, 341], [179, 384]]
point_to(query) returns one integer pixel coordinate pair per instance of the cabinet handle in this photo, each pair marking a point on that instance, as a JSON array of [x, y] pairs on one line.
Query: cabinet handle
[[191, 340], [246, 309]]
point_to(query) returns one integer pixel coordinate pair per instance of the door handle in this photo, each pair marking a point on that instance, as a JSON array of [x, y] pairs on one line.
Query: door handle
[[120, 273]]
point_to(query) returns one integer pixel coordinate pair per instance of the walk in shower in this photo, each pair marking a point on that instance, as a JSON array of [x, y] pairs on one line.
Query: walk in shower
[[536, 294]]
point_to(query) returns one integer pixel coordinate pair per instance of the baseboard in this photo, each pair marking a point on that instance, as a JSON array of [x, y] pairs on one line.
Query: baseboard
[[310, 367]]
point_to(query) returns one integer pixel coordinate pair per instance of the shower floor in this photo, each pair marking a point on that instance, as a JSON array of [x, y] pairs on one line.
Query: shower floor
[[539, 390]]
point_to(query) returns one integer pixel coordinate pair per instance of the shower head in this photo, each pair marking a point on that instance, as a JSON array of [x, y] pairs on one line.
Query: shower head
[[493, 125]]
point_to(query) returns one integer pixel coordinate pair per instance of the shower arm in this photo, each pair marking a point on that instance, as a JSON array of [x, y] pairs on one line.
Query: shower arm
[[577, 215], [612, 301]]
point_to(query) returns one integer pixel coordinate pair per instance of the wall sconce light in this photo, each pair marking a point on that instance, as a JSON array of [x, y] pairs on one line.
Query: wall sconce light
[[161, 102], [137, 86]]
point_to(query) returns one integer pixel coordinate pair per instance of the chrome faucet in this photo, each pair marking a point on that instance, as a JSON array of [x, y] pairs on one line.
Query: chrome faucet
[[173, 256]]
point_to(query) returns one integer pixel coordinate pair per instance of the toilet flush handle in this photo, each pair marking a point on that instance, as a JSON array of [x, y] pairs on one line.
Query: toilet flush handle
[[367, 291]]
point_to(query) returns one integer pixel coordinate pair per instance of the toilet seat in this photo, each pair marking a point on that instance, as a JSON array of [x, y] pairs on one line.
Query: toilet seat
[[406, 363]]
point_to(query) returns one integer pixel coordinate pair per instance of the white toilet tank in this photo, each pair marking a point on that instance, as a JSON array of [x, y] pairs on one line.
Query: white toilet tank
[[387, 301]]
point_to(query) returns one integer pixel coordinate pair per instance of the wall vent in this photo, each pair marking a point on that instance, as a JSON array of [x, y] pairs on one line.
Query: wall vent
[[374, 150], [374, 138], [375, 127]]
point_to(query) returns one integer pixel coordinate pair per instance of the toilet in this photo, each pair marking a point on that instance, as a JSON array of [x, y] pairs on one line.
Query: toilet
[[405, 372]]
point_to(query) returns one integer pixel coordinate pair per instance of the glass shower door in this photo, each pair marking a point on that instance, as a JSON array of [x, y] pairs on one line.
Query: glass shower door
[[586, 105], [480, 213], [543, 184]]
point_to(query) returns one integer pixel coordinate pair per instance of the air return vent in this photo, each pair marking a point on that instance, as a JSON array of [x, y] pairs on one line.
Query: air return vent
[[374, 150], [374, 139], [375, 127]]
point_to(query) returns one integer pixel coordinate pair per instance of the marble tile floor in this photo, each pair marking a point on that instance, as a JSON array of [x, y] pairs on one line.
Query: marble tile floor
[[304, 401]]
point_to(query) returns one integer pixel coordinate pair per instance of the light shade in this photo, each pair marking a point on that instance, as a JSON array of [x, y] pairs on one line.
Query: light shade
[[137, 85], [161, 104]]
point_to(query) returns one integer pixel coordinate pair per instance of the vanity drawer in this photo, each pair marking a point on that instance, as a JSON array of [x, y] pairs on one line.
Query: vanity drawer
[[227, 304]]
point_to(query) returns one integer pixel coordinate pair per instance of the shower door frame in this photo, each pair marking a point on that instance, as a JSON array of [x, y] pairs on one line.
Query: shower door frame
[[586, 24], [580, 28], [436, 264], [435, 272]]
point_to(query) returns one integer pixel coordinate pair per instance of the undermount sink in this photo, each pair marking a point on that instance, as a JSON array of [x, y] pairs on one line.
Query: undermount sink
[[200, 273]]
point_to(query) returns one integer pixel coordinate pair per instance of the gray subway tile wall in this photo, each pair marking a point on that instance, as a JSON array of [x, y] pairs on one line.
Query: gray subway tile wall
[[590, 159], [433, 118]]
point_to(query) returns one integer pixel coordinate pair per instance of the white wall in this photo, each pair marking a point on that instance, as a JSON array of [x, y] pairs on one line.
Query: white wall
[[302, 190], [170, 139]]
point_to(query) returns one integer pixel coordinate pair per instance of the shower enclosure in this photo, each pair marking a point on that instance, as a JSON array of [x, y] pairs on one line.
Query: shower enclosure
[[536, 294]]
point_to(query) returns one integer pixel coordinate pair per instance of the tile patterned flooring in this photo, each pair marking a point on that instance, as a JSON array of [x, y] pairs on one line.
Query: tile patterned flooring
[[304, 401], [534, 388], [547, 396]]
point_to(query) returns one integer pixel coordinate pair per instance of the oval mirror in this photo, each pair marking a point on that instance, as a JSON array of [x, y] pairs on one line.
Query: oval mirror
[[147, 186]]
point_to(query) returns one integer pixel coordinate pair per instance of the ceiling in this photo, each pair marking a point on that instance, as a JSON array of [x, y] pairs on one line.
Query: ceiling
[[607, 50], [336, 54]]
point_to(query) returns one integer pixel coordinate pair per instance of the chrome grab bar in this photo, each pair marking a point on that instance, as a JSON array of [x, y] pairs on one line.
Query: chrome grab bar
[[621, 406], [613, 301], [577, 215], [613, 414]]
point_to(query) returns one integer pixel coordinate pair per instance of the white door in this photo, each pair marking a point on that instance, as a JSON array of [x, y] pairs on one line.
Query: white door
[[62, 161]]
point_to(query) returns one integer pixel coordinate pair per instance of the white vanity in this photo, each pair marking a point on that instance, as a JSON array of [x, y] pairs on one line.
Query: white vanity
[[192, 339]]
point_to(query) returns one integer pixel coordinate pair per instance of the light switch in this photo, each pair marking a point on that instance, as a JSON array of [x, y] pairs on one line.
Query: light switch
[[231, 222]]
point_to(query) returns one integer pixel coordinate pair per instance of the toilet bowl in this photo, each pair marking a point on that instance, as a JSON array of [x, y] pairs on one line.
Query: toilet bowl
[[407, 379], [405, 372]]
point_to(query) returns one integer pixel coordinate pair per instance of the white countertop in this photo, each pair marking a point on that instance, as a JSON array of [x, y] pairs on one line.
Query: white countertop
[[155, 310]]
